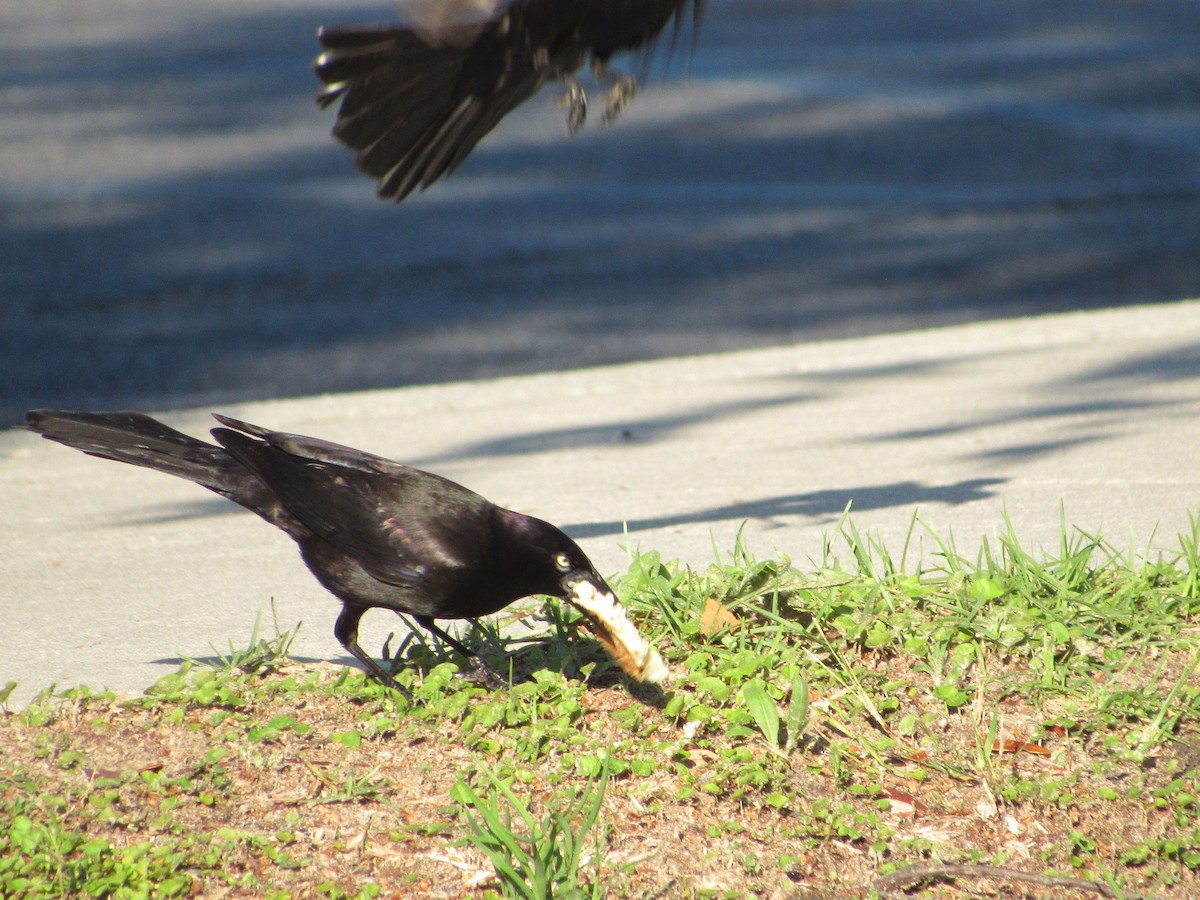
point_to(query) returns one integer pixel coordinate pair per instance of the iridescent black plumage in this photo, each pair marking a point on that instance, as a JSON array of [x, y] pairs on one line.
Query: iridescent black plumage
[[375, 533]]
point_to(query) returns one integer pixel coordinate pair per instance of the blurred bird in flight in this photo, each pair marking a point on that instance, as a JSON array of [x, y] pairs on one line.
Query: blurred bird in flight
[[417, 96]]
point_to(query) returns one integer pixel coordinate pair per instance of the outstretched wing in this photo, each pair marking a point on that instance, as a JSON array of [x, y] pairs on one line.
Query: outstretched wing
[[413, 106]]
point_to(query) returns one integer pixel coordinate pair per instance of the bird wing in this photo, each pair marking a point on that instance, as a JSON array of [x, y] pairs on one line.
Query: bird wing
[[315, 449], [609, 27], [403, 526], [414, 105], [416, 98]]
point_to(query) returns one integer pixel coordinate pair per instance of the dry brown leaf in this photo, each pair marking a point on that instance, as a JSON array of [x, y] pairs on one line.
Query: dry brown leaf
[[716, 617], [902, 803], [1011, 746]]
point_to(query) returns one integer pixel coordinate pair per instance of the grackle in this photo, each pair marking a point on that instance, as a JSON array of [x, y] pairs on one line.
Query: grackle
[[375, 533], [417, 97]]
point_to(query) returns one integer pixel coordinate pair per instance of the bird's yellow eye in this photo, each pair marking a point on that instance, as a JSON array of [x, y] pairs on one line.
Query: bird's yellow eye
[[563, 562]]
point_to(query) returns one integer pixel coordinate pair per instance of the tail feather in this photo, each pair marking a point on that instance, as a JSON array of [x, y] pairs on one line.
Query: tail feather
[[139, 440]]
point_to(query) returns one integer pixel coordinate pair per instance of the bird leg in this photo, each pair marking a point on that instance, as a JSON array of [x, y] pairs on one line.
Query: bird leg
[[576, 101], [483, 670], [623, 89], [345, 629]]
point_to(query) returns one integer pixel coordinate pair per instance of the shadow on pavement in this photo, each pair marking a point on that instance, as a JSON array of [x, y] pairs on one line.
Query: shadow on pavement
[[180, 229]]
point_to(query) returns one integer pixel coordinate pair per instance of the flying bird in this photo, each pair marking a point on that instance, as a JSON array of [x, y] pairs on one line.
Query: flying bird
[[417, 97], [375, 533]]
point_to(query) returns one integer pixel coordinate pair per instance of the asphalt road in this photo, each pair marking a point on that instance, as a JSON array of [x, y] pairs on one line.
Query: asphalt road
[[178, 228]]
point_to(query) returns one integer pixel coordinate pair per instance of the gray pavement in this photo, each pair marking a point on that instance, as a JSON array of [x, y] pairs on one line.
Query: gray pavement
[[177, 227], [108, 573]]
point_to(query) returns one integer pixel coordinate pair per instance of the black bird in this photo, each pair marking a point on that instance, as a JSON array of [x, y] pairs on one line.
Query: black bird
[[417, 97], [375, 533]]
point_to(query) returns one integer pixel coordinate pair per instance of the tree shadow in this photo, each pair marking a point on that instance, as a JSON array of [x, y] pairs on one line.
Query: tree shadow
[[818, 504], [197, 236]]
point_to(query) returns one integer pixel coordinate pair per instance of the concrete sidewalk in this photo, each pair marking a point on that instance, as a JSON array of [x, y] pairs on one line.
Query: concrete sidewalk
[[109, 573]]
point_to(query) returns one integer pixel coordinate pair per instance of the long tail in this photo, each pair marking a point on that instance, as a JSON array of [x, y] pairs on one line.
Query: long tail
[[139, 440]]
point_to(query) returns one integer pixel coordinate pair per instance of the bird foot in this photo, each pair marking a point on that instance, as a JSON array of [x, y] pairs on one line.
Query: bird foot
[[484, 674], [397, 686], [385, 678], [576, 101], [618, 97]]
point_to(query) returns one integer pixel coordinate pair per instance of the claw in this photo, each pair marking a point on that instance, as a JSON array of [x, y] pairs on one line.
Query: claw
[[482, 673], [618, 96], [576, 101]]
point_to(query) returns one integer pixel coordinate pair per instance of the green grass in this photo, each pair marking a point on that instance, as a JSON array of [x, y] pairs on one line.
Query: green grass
[[1037, 712], [547, 860]]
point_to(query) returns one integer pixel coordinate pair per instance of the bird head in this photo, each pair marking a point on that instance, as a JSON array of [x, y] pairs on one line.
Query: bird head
[[570, 576]]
